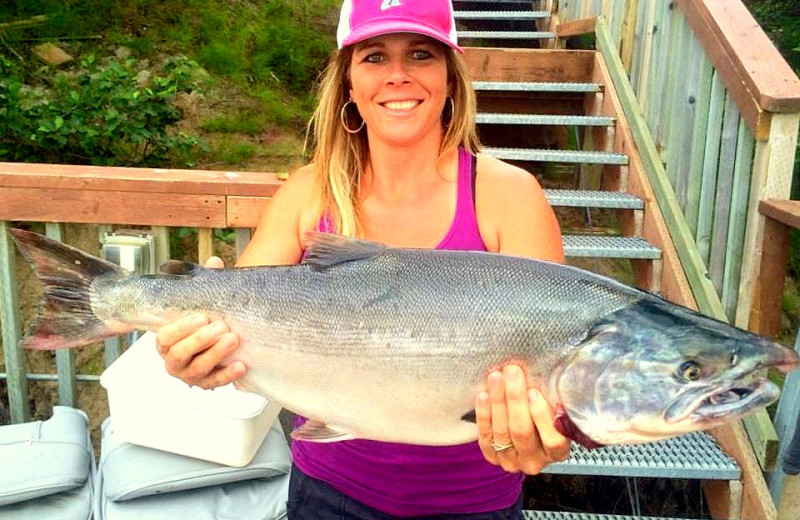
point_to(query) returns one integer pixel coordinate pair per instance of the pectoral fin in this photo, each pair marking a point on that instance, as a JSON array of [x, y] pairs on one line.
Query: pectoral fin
[[317, 431]]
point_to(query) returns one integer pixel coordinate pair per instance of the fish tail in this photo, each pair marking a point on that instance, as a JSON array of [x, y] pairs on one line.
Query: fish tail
[[65, 318]]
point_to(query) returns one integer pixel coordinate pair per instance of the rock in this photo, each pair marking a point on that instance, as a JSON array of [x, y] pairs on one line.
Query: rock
[[51, 54]]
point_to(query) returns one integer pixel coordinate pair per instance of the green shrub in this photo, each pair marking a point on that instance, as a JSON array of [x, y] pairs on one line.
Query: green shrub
[[95, 114]]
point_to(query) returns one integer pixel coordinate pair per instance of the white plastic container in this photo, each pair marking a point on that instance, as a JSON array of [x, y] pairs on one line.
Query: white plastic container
[[151, 408]]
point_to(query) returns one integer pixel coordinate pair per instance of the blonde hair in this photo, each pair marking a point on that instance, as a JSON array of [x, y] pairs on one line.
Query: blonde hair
[[340, 158]]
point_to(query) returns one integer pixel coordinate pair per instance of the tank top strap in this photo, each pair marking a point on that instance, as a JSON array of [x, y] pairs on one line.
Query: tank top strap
[[464, 233]]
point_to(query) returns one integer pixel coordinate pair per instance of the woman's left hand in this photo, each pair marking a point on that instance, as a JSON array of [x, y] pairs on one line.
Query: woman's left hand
[[516, 424]]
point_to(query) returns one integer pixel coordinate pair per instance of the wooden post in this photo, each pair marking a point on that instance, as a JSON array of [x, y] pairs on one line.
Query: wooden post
[[205, 244], [161, 238], [9, 320], [65, 358], [771, 179]]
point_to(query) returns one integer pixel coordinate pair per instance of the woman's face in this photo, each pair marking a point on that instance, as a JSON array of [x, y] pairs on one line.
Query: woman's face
[[399, 83]]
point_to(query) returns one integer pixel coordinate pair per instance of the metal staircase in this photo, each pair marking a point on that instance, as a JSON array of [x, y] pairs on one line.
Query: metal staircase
[[513, 118], [511, 21]]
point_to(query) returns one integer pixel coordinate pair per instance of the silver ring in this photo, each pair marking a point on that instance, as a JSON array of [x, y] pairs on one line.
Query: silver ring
[[501, 447]]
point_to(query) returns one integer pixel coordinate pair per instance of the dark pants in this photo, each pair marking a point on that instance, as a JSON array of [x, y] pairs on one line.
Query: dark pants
[[312, 499]]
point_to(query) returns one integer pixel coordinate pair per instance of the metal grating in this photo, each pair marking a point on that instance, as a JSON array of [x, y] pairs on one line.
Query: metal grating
[[543, 119], [504, 86], [692, 456], [593, 199], [557, 156], [604, 246], [507, 35], [501, 15], [554, 515]]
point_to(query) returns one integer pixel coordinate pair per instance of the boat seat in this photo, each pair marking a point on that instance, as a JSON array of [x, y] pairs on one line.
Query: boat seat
[[48, 468], [135, 482]]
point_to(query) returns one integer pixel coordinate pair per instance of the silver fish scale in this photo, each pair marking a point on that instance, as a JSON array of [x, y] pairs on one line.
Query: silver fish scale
[[446, 303], [405, 305]]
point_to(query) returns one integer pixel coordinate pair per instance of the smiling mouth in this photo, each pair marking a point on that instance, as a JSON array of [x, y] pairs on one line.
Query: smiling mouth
[[401, 105]]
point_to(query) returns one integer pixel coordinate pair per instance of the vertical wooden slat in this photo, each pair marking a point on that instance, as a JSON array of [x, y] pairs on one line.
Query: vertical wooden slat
[[242, 239], [738, 220], [722, 205], [205, 244], [772, 178], [674, 72], [617, 14], [682, 110], [641, 52], [708, 186], [655, 84], [65, 358], [630, 37], [699, 143], [161, 239], [683, 155], [9, 320]]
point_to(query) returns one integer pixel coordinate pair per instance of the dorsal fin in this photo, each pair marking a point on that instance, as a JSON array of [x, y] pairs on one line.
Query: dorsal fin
[[324, 250], [179, 268]]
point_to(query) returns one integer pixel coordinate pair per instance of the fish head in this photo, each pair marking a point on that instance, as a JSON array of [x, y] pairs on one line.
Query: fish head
[[655, 370]]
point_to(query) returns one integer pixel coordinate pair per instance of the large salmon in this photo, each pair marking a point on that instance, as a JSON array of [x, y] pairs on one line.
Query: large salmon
[[392, 344]]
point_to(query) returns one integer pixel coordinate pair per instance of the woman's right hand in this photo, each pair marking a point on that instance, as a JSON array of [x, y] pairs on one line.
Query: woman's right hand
[[194, 346]]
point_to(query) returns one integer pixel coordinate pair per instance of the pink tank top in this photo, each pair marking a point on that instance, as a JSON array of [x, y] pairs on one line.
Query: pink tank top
[[408, 480]]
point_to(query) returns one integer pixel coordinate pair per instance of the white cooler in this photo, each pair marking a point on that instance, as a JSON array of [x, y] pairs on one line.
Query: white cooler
[[151, 408]]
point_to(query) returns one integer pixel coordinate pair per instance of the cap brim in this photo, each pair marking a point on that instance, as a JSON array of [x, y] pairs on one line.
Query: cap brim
[[392, 27]]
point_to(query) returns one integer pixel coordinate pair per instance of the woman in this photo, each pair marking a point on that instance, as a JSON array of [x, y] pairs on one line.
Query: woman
[[395, 163]]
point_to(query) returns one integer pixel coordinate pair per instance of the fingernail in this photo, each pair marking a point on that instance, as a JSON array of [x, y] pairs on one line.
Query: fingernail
[[199, 320], [534, 394], [511, 372], [219, 327]]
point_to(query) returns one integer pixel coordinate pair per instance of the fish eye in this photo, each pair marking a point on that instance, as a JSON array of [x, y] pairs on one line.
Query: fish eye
[[691, 371]]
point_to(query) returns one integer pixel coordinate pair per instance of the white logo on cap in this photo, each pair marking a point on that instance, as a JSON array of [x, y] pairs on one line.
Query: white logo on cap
[[389, 3]]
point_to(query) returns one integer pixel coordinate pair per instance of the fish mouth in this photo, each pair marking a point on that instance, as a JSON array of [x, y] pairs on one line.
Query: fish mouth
[[731, 401]]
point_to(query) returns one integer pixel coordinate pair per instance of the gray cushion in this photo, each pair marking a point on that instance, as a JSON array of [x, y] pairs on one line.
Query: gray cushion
[[75, 504], [45, 457], [135, 482], [130, 471], [260, 499]]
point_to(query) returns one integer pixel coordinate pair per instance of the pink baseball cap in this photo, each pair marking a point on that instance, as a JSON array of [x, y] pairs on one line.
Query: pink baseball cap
[[363, 19]]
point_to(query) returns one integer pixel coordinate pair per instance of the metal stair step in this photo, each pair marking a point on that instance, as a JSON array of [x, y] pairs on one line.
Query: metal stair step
[[555, 515], [558, 156], [501, 15], [691, 456], [609, 246], [543, 119], [593, 199], [507, 35], [503, 86]]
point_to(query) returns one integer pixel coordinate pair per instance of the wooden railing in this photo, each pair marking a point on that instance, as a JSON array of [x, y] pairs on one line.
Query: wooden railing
[[48, 193], [714, 110], [722, 108]]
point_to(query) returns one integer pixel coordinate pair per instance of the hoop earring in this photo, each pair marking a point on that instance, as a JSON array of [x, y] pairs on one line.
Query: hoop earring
[[447, 120], [344, 123]]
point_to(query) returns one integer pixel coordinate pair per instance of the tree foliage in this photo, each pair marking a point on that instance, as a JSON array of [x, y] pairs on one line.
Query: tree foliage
[[103, 114]]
